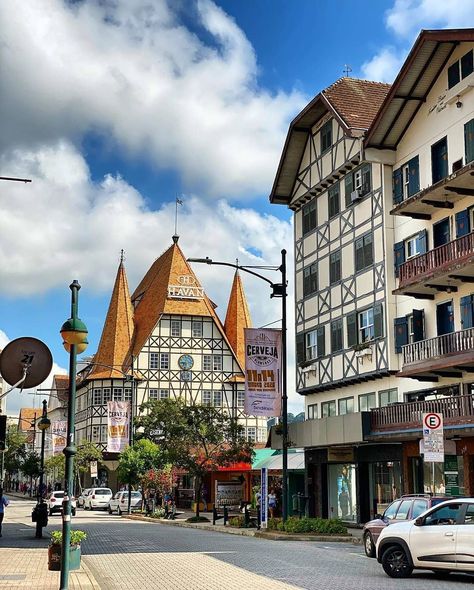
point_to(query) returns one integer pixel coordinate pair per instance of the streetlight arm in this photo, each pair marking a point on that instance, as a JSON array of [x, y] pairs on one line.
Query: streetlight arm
[[208, 260]]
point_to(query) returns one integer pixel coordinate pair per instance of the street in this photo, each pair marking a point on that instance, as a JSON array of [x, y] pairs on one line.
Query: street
[[125, 554]]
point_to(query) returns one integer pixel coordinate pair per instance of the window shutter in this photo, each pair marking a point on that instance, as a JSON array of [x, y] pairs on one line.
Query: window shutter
[[378, 321], [321, 341], [349, 187], [401, 333], [469, 140], [466, 312], [366, 180], [418, 325], [397, 186], [422, 241], [398, 255], [414, 176], [462, 223], [352, 329], [300, 348]]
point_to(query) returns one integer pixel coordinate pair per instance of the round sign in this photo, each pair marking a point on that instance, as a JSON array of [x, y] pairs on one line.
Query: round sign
[[186, 362], [26, 352], [432, 421]]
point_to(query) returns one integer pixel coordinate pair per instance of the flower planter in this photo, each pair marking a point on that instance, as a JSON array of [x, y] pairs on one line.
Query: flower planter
[[54, 557]]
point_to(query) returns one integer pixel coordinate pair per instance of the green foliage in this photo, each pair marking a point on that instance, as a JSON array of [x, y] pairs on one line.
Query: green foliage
[[321, 526], [86, 452], [198, 519], [237, 521], [137, 460], [273, 524], [76, 537], [55, 466], [16, 452], [31, 465]]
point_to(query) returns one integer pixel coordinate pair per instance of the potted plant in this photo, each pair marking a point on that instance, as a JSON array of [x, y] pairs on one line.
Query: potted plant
[[54, 550]]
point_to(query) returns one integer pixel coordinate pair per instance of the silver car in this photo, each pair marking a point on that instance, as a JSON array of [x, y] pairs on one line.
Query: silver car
[[120, 502]]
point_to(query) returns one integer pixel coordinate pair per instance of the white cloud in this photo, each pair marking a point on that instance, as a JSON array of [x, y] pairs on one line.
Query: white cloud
[[384, 66], [132, 72], [4, 340]]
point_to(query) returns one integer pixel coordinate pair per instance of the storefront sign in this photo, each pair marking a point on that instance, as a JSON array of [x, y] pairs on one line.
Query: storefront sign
[[93, 466], [118, 418], [433, 437], [228, 493], [341, 454], [262, 372], [451, 475], [187, 289], [264, 498], [58, 434]]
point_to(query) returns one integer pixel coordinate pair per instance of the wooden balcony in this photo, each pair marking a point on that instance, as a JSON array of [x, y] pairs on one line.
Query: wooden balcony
[[441, 269], [444, 356], [441, 195], [457, 410]]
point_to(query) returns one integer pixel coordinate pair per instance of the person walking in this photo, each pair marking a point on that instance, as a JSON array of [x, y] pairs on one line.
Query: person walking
[[3, 503]]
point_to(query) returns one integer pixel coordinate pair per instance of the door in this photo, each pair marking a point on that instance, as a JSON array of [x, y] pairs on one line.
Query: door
[[464, 544], [433, 544], [441, 233], [445, 318], [439, 160]]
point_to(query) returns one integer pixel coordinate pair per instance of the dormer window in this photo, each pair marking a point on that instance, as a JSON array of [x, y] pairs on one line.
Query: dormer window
[[460, 69]]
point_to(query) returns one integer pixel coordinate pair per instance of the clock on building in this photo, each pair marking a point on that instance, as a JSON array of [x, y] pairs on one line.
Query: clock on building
[[185, 362]]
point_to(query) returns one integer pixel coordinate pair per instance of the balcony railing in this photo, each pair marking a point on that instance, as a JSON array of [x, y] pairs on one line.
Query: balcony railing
[[441, 346], [457, 409], [436, 260]]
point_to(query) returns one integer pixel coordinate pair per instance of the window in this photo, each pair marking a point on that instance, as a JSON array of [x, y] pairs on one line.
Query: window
[[409, 248], [164, 393], [335, 267], [387, 397], [252, 433], [336, 335], [217, 362], [392, 510], [366, 325], [117, 394], [328, 409], [153, 395], [103, 432], [367, 402], [357, 184], [419, 506], [449, 514], [197, 329], [406, 180], [206, 397], [326, 136], [309, 217], [96, 433], [217, 399], [346, 406], [312, 411], [127, 394], [262, 434], [310, 282], [107, 395], [207, 362], [153, 360], [413, 246], [460, 69], [164, 360], [175, 328], [469, 516], [334, 204], [402, 513], [311, 345], [364, 254], [240, 399]]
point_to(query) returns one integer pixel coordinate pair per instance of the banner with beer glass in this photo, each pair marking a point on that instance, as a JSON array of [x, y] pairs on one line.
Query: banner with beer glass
[[262, 372], [59, 436], [118, 421]]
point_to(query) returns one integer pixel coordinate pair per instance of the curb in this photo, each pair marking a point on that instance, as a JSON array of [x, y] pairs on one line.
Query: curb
[[316, 538]]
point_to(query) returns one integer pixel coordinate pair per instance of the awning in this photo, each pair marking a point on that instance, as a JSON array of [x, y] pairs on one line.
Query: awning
[[275, 462]]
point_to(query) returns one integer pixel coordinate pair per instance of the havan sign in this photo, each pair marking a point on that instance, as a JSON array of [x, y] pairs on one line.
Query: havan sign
[[187, 289]]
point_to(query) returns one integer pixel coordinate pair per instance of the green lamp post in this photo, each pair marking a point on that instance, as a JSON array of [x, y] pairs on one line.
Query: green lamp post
[[74, 334], [41, 507]]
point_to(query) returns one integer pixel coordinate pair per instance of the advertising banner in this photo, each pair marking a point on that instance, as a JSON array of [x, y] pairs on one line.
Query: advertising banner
[[228, 493], [264, 498], [433, 437], [59, 436], [262, 372], [94, 469], [118, 420]]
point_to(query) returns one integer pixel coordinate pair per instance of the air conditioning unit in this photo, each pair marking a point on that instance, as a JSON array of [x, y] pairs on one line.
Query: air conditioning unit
[[355, 195]]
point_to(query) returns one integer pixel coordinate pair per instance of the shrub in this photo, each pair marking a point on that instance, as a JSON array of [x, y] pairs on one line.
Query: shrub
[[273, 523], [320, 526], [76, 537], [237, 521], [198, 519]]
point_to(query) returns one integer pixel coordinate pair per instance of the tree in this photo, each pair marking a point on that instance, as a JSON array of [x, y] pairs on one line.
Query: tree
[[31, 465], [86, 452], [135, 461], [196, 438], [16, 450], [162, 480], [54, 466]]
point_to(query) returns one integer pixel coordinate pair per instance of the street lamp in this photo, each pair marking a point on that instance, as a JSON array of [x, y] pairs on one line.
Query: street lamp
[[278, 290], [41, 508], [74, 334]]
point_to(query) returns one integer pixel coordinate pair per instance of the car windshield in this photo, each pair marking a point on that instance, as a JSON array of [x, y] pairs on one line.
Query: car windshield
[[58, 494], [102, 492]]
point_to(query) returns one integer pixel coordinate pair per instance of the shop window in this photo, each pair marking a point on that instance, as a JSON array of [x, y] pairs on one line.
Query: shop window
[[312, 411], [346, 406], [385, 488], [328, 409], [309, 217], [367, 401], [342, 492], [389, 396]]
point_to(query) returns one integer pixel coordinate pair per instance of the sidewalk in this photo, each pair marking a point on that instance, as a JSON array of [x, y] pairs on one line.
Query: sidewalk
[[24, 559]]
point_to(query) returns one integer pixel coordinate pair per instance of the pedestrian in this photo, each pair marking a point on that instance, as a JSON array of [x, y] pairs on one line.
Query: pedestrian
[[272, 503], [3, 502]]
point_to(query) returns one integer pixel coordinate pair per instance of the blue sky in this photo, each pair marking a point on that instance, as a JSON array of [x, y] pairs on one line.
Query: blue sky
[[113, 109]]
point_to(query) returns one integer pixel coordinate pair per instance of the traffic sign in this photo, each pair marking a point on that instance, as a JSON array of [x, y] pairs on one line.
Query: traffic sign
[[432, 421], [433, 437]]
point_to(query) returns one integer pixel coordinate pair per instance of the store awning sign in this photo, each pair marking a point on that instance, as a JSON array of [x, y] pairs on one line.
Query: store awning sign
[[433, 437]]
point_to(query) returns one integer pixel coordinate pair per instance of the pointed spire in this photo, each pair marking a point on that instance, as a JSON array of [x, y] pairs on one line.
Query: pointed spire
[[117, 332], [237, 318]]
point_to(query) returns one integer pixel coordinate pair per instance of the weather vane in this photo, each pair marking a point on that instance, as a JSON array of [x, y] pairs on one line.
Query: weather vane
[[347, 70]]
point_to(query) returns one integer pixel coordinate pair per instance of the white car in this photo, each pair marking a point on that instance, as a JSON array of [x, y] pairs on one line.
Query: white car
[[120, 502], [441, 539], [97, 498], [82, 497], [55, 503]]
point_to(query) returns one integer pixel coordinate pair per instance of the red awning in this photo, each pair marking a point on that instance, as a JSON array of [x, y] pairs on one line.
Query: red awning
[[241, 466]]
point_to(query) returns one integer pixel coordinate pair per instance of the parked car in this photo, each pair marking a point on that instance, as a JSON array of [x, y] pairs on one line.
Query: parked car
[[55, 503], [82, 497], [120, 502], [440, 540], [405, 508], [97, 498]]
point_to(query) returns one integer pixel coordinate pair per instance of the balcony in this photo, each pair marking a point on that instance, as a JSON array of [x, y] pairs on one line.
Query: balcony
[[440, 269], [441, 195], [457, 410], [444, 356]]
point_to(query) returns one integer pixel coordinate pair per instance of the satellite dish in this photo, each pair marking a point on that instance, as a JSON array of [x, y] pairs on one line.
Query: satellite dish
[[26, 353]]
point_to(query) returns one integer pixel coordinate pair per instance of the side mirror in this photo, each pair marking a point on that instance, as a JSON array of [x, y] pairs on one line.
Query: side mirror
[[378, 516], [419, 521]]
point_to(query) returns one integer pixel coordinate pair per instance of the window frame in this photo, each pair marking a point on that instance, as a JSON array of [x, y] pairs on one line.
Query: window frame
[[153, 394], [340, 337], [390, 392], [309, 216], [366, 397], [154, 360], [334, 200], [196, 333], [369, 326], [328, 404], [346, 400], [365, 262], [206, 393], [311, 346], [312, 412], [310, 279], [325, 136], [163, 395], [335, 264], [164, 361]]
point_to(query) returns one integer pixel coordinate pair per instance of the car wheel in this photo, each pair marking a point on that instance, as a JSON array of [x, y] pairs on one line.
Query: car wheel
[[395, 562], [369, 545]]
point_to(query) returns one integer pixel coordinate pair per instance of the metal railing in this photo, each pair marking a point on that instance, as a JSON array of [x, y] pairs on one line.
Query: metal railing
[[447, 344]]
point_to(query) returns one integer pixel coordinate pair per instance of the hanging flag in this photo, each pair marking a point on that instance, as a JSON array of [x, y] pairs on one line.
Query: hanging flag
[[262, 372], [59, 436], [118, 420]]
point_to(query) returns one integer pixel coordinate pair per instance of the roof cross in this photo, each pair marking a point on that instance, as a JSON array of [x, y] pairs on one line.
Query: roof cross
[[347, 70]]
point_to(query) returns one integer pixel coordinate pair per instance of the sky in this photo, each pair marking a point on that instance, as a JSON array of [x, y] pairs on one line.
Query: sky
[[114, 108]]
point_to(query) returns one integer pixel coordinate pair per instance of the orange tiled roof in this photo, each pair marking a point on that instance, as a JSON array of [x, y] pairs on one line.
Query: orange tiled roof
[[61, 385], [117, 332], [356, 101], [237, 318], [26, 417]]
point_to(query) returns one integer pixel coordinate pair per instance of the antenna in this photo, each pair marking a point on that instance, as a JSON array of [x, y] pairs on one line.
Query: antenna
[[347, 70]]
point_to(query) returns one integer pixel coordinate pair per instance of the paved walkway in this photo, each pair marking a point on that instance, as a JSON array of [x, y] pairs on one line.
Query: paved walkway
[[24, 559]]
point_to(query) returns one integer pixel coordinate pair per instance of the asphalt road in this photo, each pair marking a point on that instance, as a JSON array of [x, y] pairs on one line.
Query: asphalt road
[[127, 554]]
